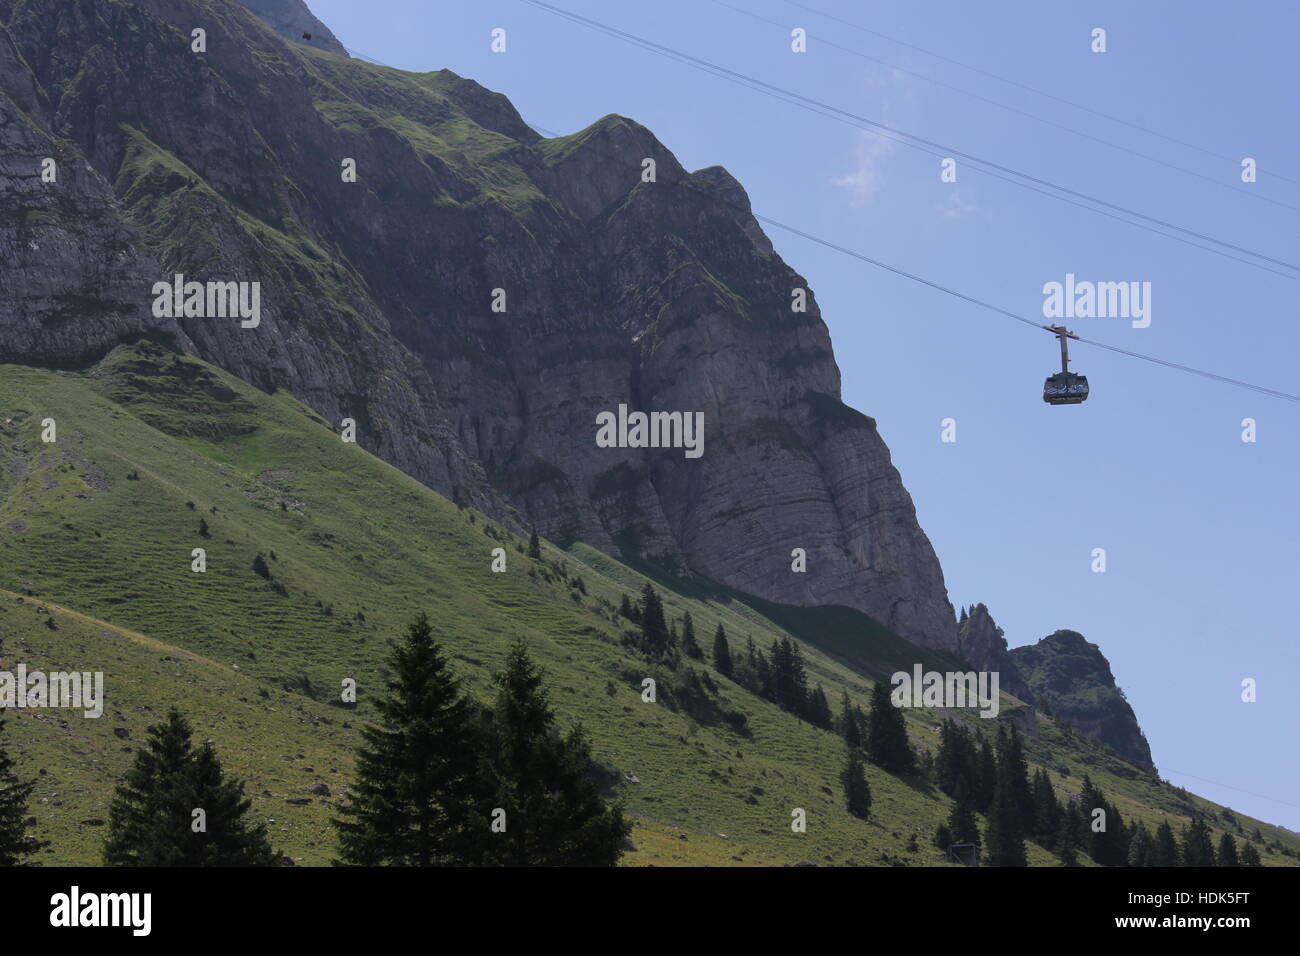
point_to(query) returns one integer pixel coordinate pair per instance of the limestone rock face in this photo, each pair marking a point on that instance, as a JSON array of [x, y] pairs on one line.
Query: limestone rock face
[[474, 299], [291, 19], [982, 643], [1075, 678]]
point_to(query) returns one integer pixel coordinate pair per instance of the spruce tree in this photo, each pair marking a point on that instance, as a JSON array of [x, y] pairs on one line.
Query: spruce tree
[[1164, 851], [534, 546], [850, 728], [857, 793], [690, 646], [231, 840], [1067, 837], [15, 847], [1047, 812], [887, 744], [1140, 846], [1197, 848], [985, 777], [1250, 856], [962, 824], [418, 798], [554, 814], [1227, 853], [654, 628], [1006, 824], [722, 653], [819, 709], [152, 818]]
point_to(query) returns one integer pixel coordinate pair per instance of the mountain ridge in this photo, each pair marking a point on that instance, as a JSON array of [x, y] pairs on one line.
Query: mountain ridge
[[377, 295]]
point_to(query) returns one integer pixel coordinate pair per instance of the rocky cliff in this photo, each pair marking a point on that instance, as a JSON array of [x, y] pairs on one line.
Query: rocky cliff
[[1074, 677], [474, 299]]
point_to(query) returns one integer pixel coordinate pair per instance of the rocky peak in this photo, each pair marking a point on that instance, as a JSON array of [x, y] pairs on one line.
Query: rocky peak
[[1074, 677]]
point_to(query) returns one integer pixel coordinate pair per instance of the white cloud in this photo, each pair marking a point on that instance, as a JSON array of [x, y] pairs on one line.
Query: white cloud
[[955, 207], [869, 159]]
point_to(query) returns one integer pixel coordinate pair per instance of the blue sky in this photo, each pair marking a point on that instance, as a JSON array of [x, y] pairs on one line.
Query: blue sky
[[1201, 531]]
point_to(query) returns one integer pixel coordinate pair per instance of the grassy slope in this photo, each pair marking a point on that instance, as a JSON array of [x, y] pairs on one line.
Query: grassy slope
[[357, 548]]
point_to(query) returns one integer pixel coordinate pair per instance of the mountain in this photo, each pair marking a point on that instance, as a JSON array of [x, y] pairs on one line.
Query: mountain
[[96, 536], [377, 296], [1074, 677], [1065, 672]]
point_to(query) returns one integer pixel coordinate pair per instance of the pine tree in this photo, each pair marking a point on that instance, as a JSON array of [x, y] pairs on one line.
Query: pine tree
[[887, 745], [857, 793], [260, 568], [654, 628], [690, 646], [850, 729], [1250, 856], [625, 609], [722, 653], [153, 819], [1164, 851], [1227, 854], [554, 814], [534, 546], [15, 846], [418, 799]]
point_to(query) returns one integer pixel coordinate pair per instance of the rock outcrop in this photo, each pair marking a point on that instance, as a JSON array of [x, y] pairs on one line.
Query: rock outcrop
[[474, 299], [1074, 678], [982, 643]]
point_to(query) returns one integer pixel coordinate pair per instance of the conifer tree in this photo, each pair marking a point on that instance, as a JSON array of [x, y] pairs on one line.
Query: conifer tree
[[850, 729], [1047, 812], [819, 709], [534, 546], [418, 799], [654, 628], [625, 609], [722, 653], [15, 847], [962, 824], [1197, 849], [857, 793], [153, 819], [887, 744], [1005, 820], [1164, 850], [1140, 846], [554, 814], [1250, 856], [690, 646], [1227, 854], [1067, 837], [985, 777]]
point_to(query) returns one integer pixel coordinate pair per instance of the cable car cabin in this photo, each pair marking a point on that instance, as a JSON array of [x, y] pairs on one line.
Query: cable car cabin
[[1065, 388]]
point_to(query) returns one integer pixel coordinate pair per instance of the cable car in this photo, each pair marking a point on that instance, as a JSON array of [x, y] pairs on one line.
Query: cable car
[[1065, 387]]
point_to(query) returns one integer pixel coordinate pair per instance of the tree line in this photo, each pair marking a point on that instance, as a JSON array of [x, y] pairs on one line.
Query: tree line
[[440, 781]]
